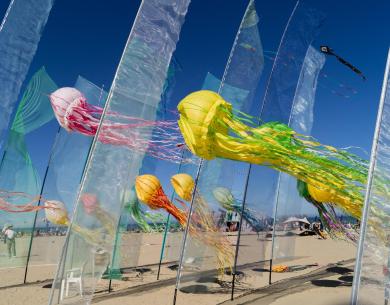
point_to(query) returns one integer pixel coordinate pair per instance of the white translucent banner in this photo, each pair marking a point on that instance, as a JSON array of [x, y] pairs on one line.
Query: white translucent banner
[[372, 272], [111, 168], [289, 203], [20, 32]]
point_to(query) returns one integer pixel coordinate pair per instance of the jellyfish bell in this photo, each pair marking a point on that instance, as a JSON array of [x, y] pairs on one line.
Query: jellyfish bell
[[201, 120], [183, 185], [61, 100], [56, 213], [205, 122], [147, 188], [90, 202], [224, 197]]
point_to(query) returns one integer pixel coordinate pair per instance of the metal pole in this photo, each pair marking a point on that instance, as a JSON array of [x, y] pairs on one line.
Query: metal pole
[[60, 263], [239, 232], [274, 227], [167, 227], [2, 159], [113, 255], [39, 203], [167, 224], [374, 150], [183, 245]]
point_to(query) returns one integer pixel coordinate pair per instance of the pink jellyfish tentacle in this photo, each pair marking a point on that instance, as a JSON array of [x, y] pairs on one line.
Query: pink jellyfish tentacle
[[30, 206], [72, 109], [159, 139], [76, 118], [79, 112]]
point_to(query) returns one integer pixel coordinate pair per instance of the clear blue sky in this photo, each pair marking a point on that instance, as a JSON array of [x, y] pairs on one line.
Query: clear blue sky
[[87, 37]]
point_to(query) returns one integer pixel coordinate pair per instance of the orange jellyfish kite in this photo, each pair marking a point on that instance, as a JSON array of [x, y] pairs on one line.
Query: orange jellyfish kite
[[150, 192]]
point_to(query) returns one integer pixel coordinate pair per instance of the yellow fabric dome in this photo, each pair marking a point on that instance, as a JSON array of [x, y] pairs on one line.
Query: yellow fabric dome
[[183, 185], [146, 187], [201, 116]]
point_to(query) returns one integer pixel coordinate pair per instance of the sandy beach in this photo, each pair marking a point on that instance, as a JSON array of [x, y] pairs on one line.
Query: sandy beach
[[199, 283], [329, 285]]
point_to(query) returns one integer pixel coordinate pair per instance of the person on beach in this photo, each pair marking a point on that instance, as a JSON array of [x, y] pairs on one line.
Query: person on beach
[[10, 236]]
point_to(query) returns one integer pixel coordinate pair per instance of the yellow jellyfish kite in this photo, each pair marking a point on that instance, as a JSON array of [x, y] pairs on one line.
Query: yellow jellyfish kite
[[212, 129], [202, 225], [56, 213], [183, 185]]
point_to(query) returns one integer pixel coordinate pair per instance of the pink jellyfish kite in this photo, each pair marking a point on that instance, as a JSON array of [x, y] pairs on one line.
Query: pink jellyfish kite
[[160, 139]]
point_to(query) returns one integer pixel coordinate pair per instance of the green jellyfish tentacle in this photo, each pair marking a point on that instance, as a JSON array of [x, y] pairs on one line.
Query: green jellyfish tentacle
[[211, 130]]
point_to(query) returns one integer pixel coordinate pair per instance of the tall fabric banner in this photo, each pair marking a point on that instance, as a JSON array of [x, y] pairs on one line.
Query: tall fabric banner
[[20, 32], [289, 203], [371, 282], [17, 172], [111, 170]]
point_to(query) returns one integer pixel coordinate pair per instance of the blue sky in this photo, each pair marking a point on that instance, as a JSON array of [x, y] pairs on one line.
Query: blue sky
[[87, 37]]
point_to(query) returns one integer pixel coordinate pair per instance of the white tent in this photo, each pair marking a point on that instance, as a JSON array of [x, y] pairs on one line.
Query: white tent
[[295, 219]]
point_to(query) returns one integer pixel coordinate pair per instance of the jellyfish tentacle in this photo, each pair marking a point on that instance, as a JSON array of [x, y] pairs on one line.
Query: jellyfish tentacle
[[159, 139], [212, 130]]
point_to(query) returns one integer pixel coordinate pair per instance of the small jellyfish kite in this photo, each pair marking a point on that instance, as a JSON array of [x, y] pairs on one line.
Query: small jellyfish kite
[[202, 224], [226, 199]]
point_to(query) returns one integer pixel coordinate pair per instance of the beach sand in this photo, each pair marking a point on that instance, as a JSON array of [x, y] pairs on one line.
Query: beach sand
[[198, 285], [323, 286], [317, 296]]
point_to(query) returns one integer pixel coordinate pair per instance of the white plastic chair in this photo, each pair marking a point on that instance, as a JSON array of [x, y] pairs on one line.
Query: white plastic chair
[[72, 276]]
